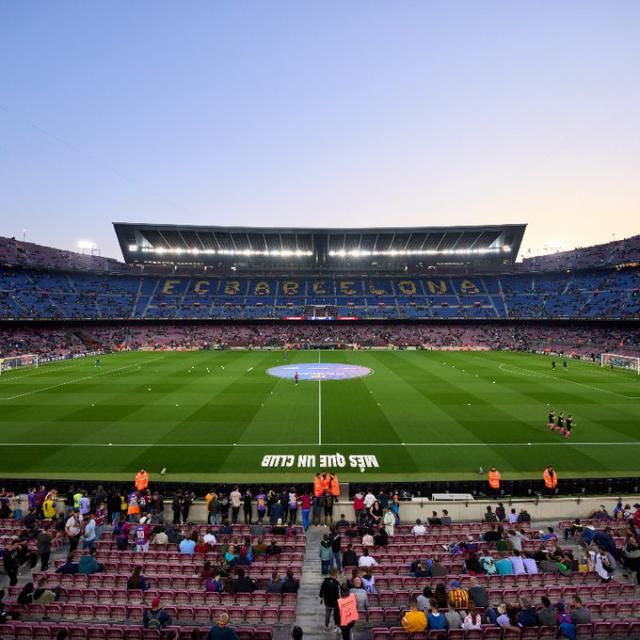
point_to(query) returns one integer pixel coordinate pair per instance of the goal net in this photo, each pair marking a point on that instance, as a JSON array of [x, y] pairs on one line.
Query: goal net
[[18, 362], [621, 362]]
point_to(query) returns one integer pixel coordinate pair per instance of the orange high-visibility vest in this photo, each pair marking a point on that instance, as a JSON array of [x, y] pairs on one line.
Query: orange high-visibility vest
[[317, 486], [550, 481], [494, 479], [335, 486], [142, 480], [325, 481]]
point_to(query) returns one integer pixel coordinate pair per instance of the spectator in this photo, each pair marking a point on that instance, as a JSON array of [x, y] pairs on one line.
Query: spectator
[[137, 580], [504, 566], [527, 616], [389, 521], [73, 528], [507, 618], [329, 595], [42, 595], [155, 617], [453, 618], [69, 567], [43, 542], [381, 538], [369, 582], [517, 564], [160, 537], [290, 584], [473, 620], [367, 539], [242, 584], [247, 507], [418, 528], [478, 594], [457, 595], [274, 585], [349, 557], [490, 516], [414, 620], [513, 517], [435, 620], [579, 613], [423, 599], [188, 545], [566, 625], [273, 549], [88, 563], [437, 570], [440, 596], [366, 560], [546, 614], [362, 598], [221, 630], [326, 554], [445, 519], [492, 535], [335, 539]]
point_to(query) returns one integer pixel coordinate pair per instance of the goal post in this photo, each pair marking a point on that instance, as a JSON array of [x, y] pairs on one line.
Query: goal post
[[18, 362], [612, 360]]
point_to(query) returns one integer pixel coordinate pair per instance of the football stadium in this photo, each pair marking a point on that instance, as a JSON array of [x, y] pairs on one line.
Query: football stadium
[[319, 320]]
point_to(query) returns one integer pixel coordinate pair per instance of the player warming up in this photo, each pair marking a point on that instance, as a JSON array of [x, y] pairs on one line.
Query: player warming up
[[568, 426], [296, 378], [551, 420]]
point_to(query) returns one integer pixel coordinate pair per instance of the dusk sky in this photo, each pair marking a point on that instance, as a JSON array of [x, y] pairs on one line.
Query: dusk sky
[[330, 113]]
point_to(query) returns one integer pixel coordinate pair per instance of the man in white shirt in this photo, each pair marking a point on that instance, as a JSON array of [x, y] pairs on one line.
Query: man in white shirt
[[72, 528], [530, 566], [209, 538], [236, 501], [369, 499], [366, 560], [517, 563], [418, 528], [513, 517]]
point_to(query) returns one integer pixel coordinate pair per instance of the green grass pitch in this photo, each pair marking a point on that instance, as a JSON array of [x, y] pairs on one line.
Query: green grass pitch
[[424, 415]]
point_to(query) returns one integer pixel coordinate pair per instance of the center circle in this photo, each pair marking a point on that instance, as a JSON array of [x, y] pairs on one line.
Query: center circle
[[320, 371]]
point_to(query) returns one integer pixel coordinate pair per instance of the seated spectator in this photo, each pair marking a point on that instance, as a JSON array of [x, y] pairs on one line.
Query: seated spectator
[[290, 584], [490, 516], [381, 539], [435, 620], [201, 546], [457, 595], [226, 528], [453, 618], [343, 522], [349, 557], [530, 565], [579, 613], [445, 519], [549, 535], [488, 565], [434, 520], [69, 567], [366, 560], [414, 621], [437, 570], [419, 570], [566, 626], [214, 583], [507, 617], [221, 630], [527, 616], [367, 539], [472, 565], [258, 530], [369, 582], [155, 617], [500, 512], [274, 585], [230, 556], [492, 535], [260, 548], [547, 615], [473, 620], [278, 529], [210, 538], [504, 566], [42, 595], [188, 545], [478, 594], [513, 517], [440, 596], [273, 549], [517, 564], [418, 528], [159, 536], [600, 514], [423, 599], [524, 516], [362, 598], [137, 580], [242, 584], [88, 563]]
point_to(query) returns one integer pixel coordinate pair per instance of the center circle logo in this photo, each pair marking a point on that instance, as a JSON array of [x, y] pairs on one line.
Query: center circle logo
[[320, 371]]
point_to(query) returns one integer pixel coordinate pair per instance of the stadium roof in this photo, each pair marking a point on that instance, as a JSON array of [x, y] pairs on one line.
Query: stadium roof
[[273, 247]]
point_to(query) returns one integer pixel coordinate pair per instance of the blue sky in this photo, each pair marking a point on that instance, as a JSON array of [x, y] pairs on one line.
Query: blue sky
[[326, 113]]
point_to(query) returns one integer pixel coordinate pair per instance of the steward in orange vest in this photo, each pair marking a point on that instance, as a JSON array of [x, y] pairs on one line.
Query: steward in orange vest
[[550, 478], [142, 480], [494, 479], [317, 486], [334, 485]]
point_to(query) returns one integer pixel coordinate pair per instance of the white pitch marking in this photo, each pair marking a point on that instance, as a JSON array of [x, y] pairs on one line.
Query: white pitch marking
[[249, 369], [62, 384]]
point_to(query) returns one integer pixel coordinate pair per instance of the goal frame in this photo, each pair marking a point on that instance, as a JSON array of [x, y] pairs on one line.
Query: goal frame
[[25, 360], [608, 359]]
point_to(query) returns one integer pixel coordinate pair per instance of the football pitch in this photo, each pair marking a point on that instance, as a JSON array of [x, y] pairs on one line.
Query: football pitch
[[219, 416]]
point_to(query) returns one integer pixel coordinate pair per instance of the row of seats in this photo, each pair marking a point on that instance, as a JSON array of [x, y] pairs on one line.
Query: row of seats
[[601, 630], [180, 613], [19, 630]]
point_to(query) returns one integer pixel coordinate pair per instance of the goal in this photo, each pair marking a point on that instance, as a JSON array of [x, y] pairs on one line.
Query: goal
[[17, 362], [622, 362]]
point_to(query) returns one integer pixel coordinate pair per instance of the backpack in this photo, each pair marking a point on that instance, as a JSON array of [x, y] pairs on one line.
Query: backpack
[[154, 620]]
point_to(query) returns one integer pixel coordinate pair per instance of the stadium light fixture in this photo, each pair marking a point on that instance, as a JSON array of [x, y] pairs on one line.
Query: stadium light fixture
[[133, 247], [358, 253], [86, 245], [278, 253]]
